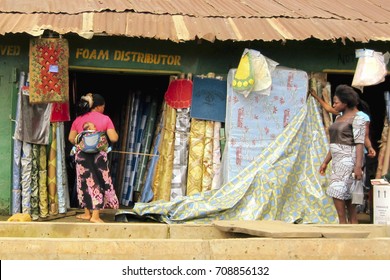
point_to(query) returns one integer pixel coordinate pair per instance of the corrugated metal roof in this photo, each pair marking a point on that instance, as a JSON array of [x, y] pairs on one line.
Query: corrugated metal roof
[[186, 20]]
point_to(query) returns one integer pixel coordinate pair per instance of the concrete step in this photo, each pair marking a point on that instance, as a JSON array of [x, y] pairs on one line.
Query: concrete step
[[152, 241]]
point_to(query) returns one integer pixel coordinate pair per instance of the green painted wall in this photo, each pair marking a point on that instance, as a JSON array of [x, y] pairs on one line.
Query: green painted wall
[[129, 55], [13, 53]]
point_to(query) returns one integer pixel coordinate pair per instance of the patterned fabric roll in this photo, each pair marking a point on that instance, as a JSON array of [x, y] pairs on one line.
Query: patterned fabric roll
[[195, 157], [42, 184], [34, 183], [52, 173], [17, 150], [62, 188], [162, 180], [180, 161], [127, 193], [16, 188], [145, 148], [26, 167], [216, 183], [207, 166], [147, 189]]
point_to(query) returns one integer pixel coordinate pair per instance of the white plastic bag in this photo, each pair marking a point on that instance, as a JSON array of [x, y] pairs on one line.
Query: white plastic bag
[[370, 69], [357, 192]]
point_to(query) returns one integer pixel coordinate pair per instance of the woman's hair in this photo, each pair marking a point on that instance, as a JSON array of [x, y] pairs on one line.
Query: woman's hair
[[347, 95], [364, 107], [88, 102]]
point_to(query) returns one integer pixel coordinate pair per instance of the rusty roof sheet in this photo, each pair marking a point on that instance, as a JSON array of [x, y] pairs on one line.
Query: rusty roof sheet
[[187, 20]]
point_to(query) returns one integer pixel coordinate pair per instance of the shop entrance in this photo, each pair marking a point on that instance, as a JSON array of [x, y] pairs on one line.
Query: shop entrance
[[115, 88]]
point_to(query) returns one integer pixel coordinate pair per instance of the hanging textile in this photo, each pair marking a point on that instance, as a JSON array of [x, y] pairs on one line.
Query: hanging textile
[[180, 160], [282, 183], [207, 164], [42, 184], [61, 182], [123, 145], [127, 192], [208, 99], [16, 187], [216, 179], [147, 189], [52, 172], [26, 168], [253, 122], [179, 94], [163, 178], [195, 157], [33, 123], [145, 148], [140, 128], [17, 150], [34, 183], [60, 112], [48, 68]]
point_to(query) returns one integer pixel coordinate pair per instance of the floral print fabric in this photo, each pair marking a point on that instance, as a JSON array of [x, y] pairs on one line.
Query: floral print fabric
[[94, 184]]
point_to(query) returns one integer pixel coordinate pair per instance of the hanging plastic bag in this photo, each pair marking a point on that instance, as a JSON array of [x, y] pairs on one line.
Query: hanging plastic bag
[[357, 192], [370, 69]]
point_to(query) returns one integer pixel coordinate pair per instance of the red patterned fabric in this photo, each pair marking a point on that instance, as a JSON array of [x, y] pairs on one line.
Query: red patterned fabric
[[60, 112], [179, 94], [49, 80]]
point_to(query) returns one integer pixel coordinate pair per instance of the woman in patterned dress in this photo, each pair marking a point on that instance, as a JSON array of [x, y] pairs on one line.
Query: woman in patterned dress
[[95, 190], [346, 152]]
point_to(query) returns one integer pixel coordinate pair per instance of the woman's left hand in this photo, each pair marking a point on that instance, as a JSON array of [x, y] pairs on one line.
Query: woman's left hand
[[358, 173]]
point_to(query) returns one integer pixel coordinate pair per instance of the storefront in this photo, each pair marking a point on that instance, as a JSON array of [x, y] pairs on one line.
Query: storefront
[[118, 66]]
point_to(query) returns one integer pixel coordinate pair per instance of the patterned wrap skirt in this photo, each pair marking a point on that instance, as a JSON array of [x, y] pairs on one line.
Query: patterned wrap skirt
[[94, 184], [343, 163]]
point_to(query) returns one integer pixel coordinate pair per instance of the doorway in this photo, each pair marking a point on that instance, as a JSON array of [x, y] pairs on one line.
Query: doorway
[[115, 88]]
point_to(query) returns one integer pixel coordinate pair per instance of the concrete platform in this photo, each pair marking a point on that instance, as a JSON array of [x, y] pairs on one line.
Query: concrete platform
[[154, 241]]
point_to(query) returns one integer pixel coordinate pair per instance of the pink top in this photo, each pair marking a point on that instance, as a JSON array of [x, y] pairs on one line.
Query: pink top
[[101, 121]]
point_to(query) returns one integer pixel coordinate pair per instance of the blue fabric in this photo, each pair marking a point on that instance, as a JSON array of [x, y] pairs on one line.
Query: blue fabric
[[208, 99]]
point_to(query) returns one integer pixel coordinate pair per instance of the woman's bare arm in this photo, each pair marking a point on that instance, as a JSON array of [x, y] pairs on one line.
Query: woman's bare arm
[[324, 104]]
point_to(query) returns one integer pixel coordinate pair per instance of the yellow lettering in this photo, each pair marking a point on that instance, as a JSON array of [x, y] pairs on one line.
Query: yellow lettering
[[126, 57], [170, 60], [103, 54], [177, 60], [148, 58], [117, 55], [79, 52], [3, 49], [163, 57], [141, 57], [93, 54], [135, 54], [9, 50]]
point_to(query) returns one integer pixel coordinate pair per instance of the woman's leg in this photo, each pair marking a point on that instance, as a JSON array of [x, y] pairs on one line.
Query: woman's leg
[[85, 216], [96, 216], [340, 208], [352, 215]]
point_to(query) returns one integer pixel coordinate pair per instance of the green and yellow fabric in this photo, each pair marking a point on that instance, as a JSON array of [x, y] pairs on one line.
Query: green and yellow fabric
[[282, 183]]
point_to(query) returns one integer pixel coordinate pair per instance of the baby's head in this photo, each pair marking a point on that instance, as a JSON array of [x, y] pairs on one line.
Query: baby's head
[[89, 126]]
